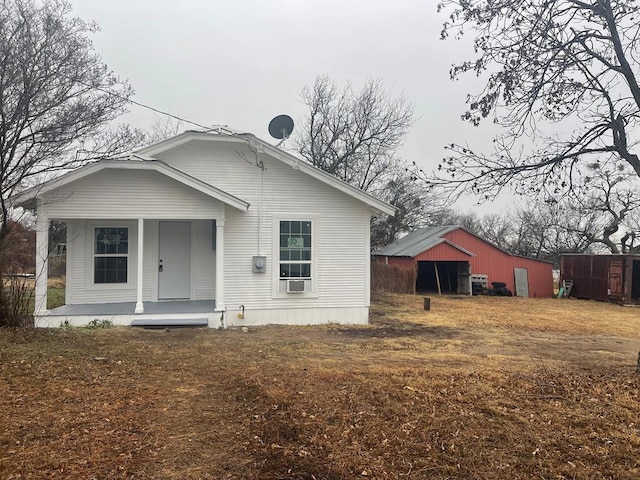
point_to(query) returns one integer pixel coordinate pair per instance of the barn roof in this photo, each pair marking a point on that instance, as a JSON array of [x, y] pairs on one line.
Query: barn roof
[[420, 241], [425, 239]]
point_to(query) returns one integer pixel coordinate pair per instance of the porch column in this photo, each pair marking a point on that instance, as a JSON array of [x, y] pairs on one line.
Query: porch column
[[139, 305], [220, 265], [42, 264]]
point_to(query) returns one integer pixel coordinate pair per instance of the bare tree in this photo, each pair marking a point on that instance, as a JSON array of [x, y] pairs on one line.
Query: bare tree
[[547, 230], [599, 216], [610, 201], [56, 100], [449, 216], [18, 256], [561, 81], [162, 128], [413, 204], [354, 135], [494, 227], [55, 93], [538, 230]]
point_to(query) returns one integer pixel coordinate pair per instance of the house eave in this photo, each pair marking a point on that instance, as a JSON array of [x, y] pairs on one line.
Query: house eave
[[185, 137], [28, 199], [377, 206]]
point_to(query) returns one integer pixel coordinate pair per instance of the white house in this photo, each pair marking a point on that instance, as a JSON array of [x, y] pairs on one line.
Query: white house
[[213, 229]]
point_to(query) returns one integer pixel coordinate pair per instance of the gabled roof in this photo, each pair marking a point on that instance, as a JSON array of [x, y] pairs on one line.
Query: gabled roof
[[425, 239], [27, 199], [420, 241], [264, 147]]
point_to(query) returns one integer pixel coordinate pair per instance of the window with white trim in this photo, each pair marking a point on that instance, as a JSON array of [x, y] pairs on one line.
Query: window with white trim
[[110, 254], [295, 249]]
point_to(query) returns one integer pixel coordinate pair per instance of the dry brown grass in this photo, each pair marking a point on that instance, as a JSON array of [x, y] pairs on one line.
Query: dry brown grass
[[549, 315], [54, 282], [481, 388]]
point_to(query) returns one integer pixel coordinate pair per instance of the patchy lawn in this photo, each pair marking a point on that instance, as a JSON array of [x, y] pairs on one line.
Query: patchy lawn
[[476, 388], [55, 297], [55, 293]]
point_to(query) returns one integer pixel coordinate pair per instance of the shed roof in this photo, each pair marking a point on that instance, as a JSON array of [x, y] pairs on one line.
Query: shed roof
[[425, 239], [419, 241]]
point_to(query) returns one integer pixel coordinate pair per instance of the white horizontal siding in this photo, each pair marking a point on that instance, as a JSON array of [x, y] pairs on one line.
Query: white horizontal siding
[[341, 230], [297, 316], [76, 259], [343, 270], [204, 260], [242, 285], [150, 261], [80, 287], [113, 193], [79, 250], [229, 167]]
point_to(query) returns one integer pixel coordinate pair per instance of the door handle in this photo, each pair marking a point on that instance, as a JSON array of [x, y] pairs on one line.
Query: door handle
[[160, 268]]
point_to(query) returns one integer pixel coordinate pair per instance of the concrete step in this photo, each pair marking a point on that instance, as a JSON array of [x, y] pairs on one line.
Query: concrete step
[[170, 322]]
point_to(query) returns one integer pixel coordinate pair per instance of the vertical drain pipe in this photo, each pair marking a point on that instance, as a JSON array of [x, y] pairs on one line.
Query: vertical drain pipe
[[260, 164], [256, 148]]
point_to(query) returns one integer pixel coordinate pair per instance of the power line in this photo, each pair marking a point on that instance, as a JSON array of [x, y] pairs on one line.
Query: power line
[[148, 107]]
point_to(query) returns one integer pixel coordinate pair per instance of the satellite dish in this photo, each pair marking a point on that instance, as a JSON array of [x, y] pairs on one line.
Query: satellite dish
[[281, 127]]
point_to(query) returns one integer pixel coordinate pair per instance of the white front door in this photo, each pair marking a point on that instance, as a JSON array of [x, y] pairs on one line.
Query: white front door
[[174, 260]]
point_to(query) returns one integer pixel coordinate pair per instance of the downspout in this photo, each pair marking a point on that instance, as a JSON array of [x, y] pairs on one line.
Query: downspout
[[256, 149], [261, 165]]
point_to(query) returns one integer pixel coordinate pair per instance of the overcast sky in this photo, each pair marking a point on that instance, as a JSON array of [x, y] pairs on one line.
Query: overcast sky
[[240, 63]]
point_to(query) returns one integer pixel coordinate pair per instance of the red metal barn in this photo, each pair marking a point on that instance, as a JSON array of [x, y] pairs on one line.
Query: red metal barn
[[451, 259], [614, 278]]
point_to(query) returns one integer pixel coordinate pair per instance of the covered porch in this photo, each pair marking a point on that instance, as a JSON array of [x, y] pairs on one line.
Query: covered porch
[[144, 242], [164, 272]]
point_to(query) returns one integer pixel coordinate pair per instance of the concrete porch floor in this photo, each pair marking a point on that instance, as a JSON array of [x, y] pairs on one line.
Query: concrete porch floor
[[127, 308]]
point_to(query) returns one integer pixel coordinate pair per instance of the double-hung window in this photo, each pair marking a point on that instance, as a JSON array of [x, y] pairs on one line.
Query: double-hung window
[[110, 254], [295, 249]]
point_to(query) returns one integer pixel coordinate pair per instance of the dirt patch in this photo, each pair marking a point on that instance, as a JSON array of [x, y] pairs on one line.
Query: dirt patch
[[391, 329]]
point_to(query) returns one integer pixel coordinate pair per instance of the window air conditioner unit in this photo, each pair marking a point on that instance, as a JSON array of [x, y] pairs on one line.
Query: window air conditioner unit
[[295, 286]]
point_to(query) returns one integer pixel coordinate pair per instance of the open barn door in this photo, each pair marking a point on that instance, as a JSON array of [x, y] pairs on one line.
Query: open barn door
[[448, 277]]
